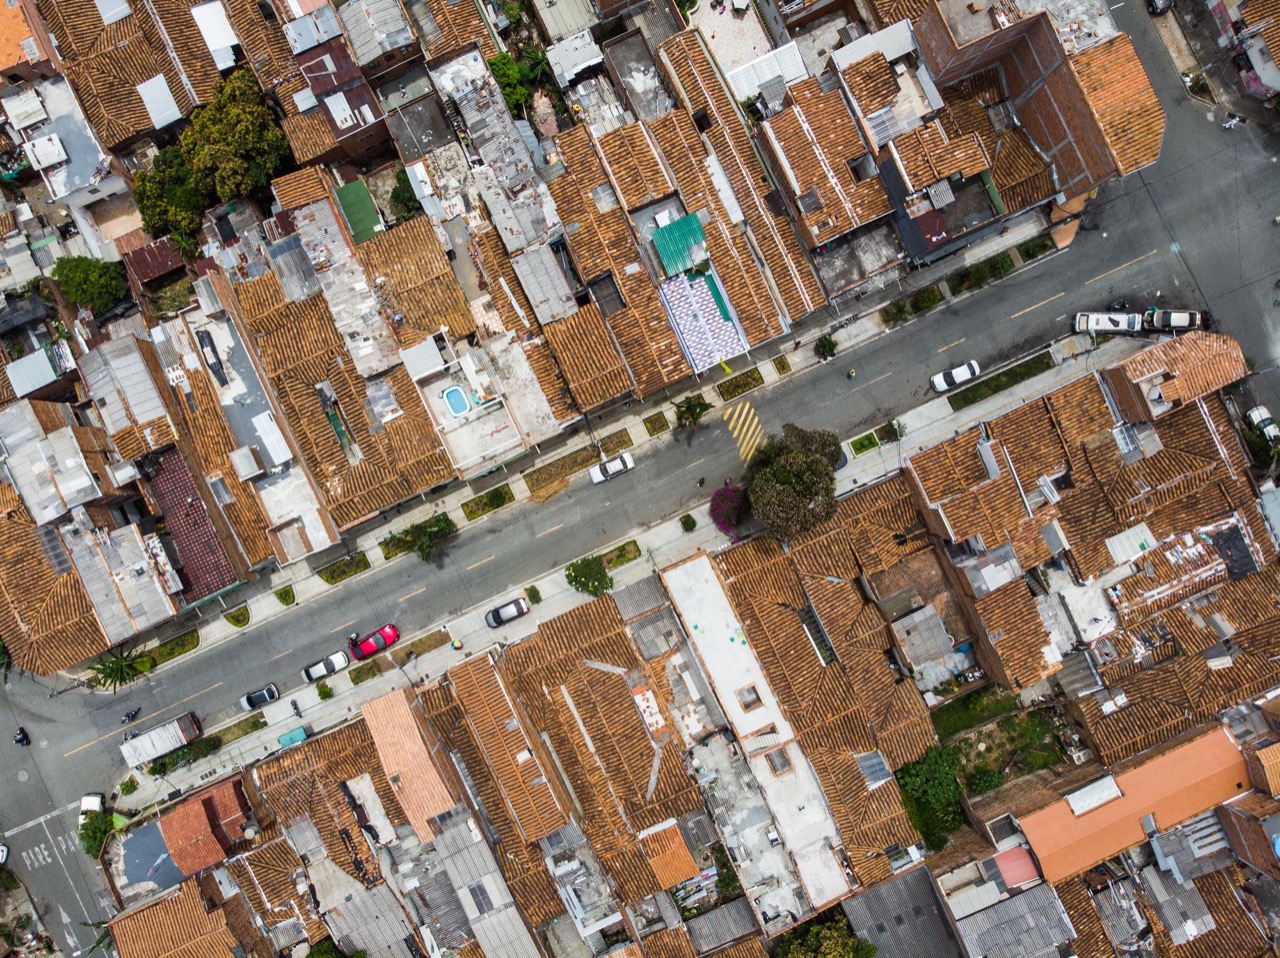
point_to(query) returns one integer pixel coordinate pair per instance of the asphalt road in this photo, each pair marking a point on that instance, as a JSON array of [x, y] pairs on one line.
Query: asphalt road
[[1194, 230]]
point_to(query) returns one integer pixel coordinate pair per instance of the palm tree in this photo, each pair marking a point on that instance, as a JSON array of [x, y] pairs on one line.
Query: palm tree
[[691, 409], [115, 669]]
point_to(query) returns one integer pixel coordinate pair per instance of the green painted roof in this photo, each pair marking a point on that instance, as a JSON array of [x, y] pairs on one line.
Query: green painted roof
[[681, 245], [357, 206]]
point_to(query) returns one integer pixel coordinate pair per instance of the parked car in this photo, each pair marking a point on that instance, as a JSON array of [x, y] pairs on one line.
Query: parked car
[[954, 377], [326, 666], [1172, 320], [506, 613], [94, 803], [1259, 417], [260, 697], [604, 471], [1158, 8], [4, 854], [1108, 323], [373, 643]]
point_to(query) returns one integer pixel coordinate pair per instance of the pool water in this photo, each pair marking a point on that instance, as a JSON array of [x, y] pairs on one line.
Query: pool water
[[457, 401]]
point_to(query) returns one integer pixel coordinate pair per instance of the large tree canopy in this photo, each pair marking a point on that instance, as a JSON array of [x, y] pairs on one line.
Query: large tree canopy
[[170, 197], [234, 140], [824, 939], [791, 480], [92, 283]]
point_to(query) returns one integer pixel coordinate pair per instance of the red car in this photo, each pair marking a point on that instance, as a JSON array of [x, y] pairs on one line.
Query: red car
[[374, 642]]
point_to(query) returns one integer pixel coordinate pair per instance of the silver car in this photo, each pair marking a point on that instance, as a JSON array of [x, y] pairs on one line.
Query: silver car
[[326, 667], [256, 699], [503, 614], [604, 471]]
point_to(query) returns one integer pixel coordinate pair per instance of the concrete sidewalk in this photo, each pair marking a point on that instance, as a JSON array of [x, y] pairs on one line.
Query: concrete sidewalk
[[661, 544]]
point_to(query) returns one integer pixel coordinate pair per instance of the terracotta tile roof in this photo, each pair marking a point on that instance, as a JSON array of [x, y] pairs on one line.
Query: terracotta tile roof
[[296, 190], [300, 348], [727, 247], [750, 948], [587, 357], [1091, 939], [929, 153], [200, 829], [1194, 365], [267, 50], [420, 286], [1015, 630], [460, 23], [1234, 934], [687, 61], [815, 140], [1122, 98], [408, 753], [1175, 786], [586, 688], [310, 135], [488, 707], [521, 862], [46, 618], [851, 706], [669, 943], [1269, 763], [13, 30], [951, 467], [669, 856], [176, 925], [602, 242], [106, 63], [883, 524], [305, 782], [268, 878], [872, 82], [637, 172]]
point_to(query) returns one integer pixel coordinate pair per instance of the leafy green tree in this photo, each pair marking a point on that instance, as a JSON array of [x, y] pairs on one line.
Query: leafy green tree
[[932, 794], [691, 409], [588, 575], [115, 669], [403, 197], [535, 68], [507, 73], [234, 142], [424, 537], [171, 199], [791, 480], [825, 347], [92, 283], [824, 939], [94, 832]]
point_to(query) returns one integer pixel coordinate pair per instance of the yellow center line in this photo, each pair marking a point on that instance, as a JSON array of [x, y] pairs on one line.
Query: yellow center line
[[476, 565], [103, 738], [343, 626], [1120, 267], [413, 593], [280, 656], [1042, 302], [950, 345], [547, 532]]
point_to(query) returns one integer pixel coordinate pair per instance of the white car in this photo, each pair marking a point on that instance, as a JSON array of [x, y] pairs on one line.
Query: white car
[[91, 804], [326, 667], [610, 468], [1259, 417], [954, 377], [1172, 319], [1108, 323]]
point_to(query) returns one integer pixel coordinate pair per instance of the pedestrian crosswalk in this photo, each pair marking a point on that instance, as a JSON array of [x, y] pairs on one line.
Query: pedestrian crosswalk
[[746, 429]]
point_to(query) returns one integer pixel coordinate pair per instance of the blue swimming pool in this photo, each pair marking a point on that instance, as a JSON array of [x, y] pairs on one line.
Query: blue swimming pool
[[457, 400]]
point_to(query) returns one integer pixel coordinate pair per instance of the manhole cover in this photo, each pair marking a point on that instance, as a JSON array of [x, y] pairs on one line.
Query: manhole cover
[[44, 743], [23, 775]]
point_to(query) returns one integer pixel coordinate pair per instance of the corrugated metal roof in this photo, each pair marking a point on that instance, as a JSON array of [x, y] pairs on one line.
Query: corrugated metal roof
[[721, 926], [571, 56], [373, 27], [1029, 925], [784, 62], [923, 636], [1183, 912], [162, 108], [24, 108], [544, 283], [681, 245], [29, 373], [903, 918], [894, 42]]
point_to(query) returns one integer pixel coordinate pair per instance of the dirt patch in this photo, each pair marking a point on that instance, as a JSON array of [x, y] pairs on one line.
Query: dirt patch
[[380, 184]]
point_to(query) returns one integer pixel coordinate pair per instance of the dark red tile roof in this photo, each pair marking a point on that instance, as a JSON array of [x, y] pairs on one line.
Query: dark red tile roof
[[205, 566], [153, 260]]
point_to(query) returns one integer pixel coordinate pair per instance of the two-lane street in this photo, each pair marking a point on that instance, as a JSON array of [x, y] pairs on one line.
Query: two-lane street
[[1193, 230]]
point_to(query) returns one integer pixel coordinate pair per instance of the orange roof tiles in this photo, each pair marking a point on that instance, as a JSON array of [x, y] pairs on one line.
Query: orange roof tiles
[[420, 286], [1015, 630], [669, 856], [1091, 939], [588, 358], [175, 925], [295, 190], [13, 30], [1269, 763], [461, 23], [637, 172], [815, 141], [46, 618], [1235, 933], [1178, 785], [872, 82], [199, 830], [501, 738], [1122, 98], [929, 153], [409, 758], [1194, 365]]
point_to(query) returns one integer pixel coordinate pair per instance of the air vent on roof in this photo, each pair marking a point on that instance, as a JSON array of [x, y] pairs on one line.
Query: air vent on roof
[[940, 194], [988, 456], [874, 768], [810, 202], [1048, 489]]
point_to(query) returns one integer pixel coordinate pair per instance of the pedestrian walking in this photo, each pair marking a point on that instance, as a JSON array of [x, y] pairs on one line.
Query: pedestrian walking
[[702, 482]]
